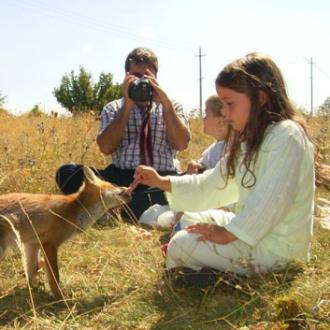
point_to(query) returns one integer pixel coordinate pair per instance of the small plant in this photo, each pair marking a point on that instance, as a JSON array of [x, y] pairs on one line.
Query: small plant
[[2, 99], [36, 111]]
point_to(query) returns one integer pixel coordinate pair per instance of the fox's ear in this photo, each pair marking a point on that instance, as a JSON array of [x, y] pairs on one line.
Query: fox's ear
[[89, 175]]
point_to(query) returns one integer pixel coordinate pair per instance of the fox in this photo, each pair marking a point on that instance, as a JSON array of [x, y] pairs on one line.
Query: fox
[[43, 222]]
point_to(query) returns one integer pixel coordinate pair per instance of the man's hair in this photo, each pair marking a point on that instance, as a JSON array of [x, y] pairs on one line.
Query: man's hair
[[215, 105], [141, 55]]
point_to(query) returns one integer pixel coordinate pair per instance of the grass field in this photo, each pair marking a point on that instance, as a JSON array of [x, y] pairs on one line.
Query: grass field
[[112, 277]]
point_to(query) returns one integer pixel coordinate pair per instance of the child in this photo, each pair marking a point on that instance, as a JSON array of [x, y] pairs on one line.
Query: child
[[268, 172], [214, 126]]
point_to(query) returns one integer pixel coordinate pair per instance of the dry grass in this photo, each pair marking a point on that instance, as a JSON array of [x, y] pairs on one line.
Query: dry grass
[[113, 279]]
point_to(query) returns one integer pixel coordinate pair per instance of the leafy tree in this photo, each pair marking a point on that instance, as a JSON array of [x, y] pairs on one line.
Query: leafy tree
[[75, 92], [2, 99], [105, 91], [324, 109], [78, 93]]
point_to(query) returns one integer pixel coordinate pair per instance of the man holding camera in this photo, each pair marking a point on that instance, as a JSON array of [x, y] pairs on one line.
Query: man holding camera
[[143, 127]]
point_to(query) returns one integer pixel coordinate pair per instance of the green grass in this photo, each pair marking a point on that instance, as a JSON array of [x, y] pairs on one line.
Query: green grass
[[113, 278]]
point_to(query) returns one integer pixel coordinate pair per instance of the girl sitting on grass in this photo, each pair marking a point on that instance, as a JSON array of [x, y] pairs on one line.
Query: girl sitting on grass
[[268, 171]]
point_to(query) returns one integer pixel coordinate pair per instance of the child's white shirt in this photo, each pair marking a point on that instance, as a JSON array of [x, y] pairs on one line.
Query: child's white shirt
[[212, 154]]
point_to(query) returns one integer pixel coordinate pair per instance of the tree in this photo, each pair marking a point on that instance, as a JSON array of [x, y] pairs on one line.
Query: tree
[[105, 91], [324, 109], [2, 99], [78, 93]]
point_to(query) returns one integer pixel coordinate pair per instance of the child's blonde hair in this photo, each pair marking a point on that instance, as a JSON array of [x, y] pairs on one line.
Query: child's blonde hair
[[214, 104]]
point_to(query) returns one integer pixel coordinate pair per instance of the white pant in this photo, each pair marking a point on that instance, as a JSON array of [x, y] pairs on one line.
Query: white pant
[[185, 250]]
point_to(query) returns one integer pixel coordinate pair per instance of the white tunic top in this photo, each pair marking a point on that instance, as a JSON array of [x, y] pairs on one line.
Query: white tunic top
[[276, 213]]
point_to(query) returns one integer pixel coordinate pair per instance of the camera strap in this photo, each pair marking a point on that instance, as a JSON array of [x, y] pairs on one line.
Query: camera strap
[[146, 139]]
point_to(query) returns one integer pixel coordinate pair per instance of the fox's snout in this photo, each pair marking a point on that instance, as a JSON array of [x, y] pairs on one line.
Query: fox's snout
[[125, 194]]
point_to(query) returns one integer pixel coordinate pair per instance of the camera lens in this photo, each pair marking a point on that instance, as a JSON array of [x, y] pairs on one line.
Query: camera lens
[[140, 90]]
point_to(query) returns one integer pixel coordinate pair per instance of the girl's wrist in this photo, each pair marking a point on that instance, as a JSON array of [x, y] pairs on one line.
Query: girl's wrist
[[230, 237], [165, 183]]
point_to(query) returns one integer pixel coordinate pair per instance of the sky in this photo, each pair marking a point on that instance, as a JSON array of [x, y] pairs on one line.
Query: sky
[[41, 40]]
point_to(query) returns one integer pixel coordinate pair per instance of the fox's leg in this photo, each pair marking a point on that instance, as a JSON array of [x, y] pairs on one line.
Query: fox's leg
[[2, 251], [2, 248], [4, 242], [31, 254], [52, 267]]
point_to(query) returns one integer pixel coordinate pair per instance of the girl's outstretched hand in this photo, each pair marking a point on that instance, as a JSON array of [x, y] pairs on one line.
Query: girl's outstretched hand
[[212, 233], [148, 176], [194, 167]]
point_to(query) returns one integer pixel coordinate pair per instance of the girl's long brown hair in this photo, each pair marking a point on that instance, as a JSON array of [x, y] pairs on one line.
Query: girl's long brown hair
[[251, 75]]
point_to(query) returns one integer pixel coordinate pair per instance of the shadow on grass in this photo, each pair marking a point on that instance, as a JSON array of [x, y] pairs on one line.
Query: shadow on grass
[[16, 307], [232, 302]]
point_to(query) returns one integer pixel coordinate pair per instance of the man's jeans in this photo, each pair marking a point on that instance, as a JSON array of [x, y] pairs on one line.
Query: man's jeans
[[69, 178]]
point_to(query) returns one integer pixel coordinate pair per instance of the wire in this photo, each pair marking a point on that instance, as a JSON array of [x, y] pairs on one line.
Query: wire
[[310, 61], [322, 71], [94, 24]]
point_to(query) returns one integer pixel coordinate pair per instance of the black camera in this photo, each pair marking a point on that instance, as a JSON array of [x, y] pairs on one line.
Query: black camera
[[140, 90]]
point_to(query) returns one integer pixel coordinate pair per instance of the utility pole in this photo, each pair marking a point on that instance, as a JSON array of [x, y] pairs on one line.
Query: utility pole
[[312, 105], [200, 81]]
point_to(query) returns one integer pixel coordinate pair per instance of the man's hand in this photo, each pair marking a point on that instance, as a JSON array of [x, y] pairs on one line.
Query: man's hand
[[159, 94], [212, 233], [177, 133], [129, 78]]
